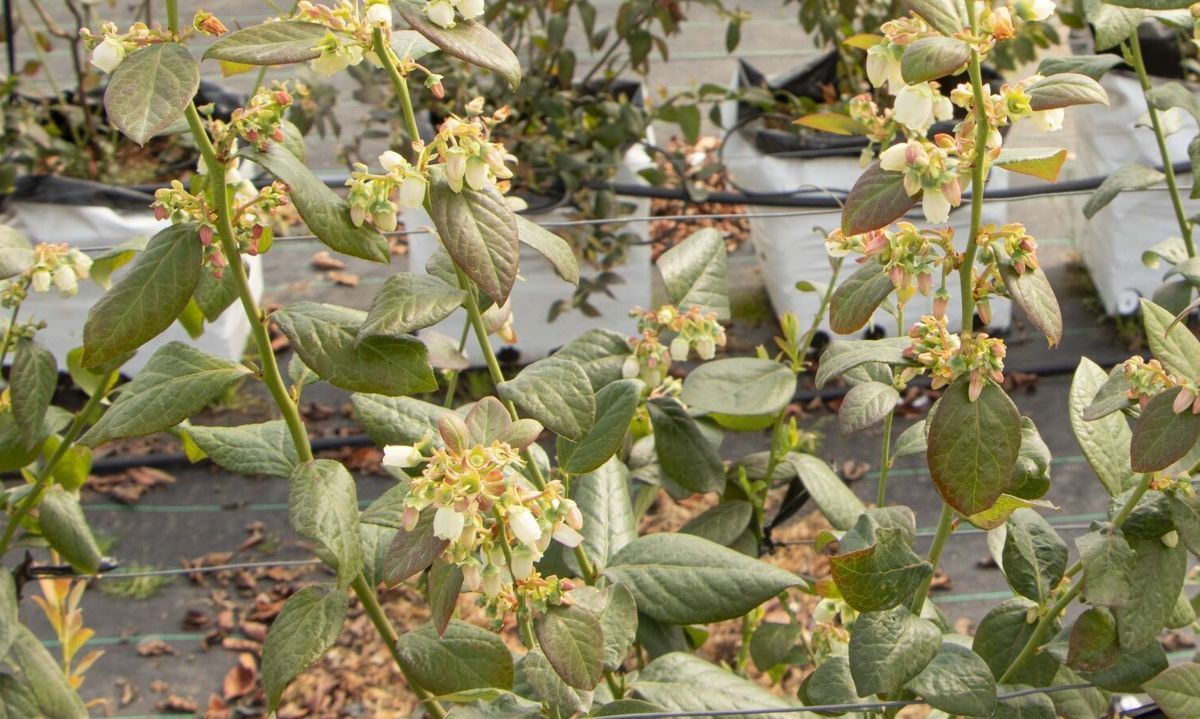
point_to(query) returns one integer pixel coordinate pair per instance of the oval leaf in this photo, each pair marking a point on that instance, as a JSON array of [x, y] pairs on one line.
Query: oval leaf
[[272, 43], [930, 58], [742, 386], [573, 642], [856, 299], [307, 627], [876, 200], [467, 40], [408, 302], [480, 232], [323, 507], [865, 405], [1161, 437], [555, 392], [973, 446], [150, 90], [1065, 90], [465, 657]]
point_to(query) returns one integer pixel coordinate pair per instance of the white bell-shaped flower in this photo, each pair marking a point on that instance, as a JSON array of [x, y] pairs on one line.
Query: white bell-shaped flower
[[402, 456], [524, 525], [108, 54], [447, 523]]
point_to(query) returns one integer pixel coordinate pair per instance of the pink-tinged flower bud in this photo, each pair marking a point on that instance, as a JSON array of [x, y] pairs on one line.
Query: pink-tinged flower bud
[[984, 309], [940, 302], [409, 518], [1183, 400], [524, 525], [925, 283], [206, 235], [160, 213], [953, 192], [896, 274], [574, 517], [447, 523], [976, 386], [679, 349]]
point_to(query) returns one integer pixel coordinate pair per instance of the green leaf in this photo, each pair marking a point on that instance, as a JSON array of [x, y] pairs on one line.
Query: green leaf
[[1172, 342], [555, 249], [1107, 566], [467, 40], [571, 639], [323, 507], [1004, 631], [1160, 436], [600, 353], [1128, 177], [687, 457], [617, 610], [106, 263], [1026, 706], [930, 58], [408, 302], [480, 232], [445, 584], [942, 15], [411, 552], [147, 299], [538, 679], [957, 681], [9, 619], [1105, 442], [1185, 512], [272, 43], [555, 392], [1092, 644], [214, 295], [16, 252], [31, 384], [883, 575], [722, 524], [973, 446], [681, 579], [856, 299], [464, 657], [1151, 4], [307, 627], [1031, 291], [1173, 94], [16, 699], [150, 89], [1113, 396], [325, 213], [1094, 66], [1177, 690], [62, 522], [772, 642], [694, 273], [1065, 90], [177, 382], [55, 697], [830, 683], [877, 199], [889, 648], [324, 337], [1158, 575], [615, 407], [1035, 557], [682, 682], [1112, 25], [835, 500], [841, 357], [16, 451], [1040, 162], [742, 386], [866, 405], [398, 420], [1133, 668], [910, 442], [603, 497], [252, 449]]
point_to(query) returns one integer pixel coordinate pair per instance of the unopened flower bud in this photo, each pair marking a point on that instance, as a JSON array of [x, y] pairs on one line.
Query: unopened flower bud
[[412, 191], [65, 280], [456, 168], [379, 15], [679, 349], [706, 347], [522, 562], [409, 518], [492, 581], [476, 173], [40, 282], [630, 367], [385, 220], [402, 456]]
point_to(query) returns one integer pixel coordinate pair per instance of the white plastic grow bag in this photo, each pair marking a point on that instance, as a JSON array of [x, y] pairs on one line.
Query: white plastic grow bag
[[1112, 242], [538, 287], [793, 248], [90, 227]]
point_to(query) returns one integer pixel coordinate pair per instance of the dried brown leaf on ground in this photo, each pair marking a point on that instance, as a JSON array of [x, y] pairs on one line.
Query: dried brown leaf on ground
[[241, 679]]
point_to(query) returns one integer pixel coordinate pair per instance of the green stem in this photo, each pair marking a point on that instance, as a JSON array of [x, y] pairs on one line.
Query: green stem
[[42, 483], [1185, 227], [269, 370], [452, 379], [366, 597], [398, 82], [173, 16], [966, 272], [944, 528], [885, 461], [9, 333], [1046, 622]]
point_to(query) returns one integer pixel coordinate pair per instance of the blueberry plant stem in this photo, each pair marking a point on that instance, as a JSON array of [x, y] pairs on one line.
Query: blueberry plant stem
[[42, 483], [1046, 622], [9, 333], [1139, 65]]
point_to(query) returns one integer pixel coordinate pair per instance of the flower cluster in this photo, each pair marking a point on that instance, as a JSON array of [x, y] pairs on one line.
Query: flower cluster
[[111, 47], [930, 168], [349, 38], [54, 265], [253, 212], [445, 12], [260, 122], [879, 124], [945, 356], [692, 328], [908, 254], [496, 522], [462, 153], [1148, 378]]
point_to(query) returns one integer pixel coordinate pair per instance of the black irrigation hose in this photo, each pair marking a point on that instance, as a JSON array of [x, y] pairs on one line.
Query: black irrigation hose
[[116, 464]]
